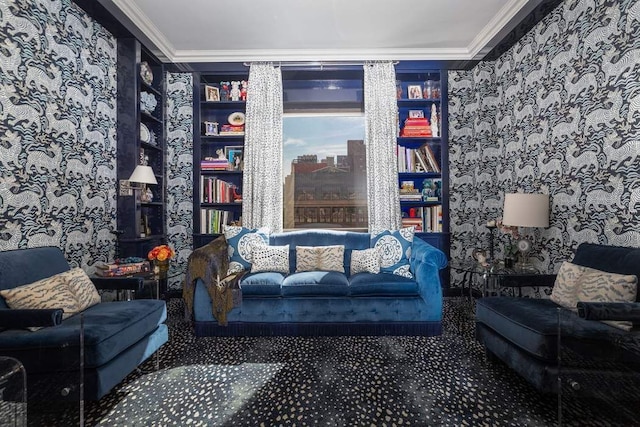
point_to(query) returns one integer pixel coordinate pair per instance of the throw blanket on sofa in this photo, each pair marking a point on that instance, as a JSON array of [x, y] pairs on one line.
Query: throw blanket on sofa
[[209, 263]]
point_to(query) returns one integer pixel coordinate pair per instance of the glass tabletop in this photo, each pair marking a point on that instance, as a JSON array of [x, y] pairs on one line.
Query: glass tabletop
[[493, 269]]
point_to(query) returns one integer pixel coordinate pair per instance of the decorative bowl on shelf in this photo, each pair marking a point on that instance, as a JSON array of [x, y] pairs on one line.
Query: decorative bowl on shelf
[[145, 73], [236, 119], [145, 134]]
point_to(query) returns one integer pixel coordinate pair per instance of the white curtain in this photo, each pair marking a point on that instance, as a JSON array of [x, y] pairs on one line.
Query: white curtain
[[381, 115], [262, 179]]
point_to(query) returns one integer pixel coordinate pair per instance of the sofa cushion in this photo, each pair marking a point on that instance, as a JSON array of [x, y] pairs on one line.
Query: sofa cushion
[[241, 242], [320, 258], [362, 284], [327, 283], [261, 284], [597, 286], [366, 260], [395, 251], [82, 288], [270, 258], [51, 292]]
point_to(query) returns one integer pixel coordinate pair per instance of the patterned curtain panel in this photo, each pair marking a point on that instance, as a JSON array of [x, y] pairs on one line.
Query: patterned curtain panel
[[380, 110], [262, 180]]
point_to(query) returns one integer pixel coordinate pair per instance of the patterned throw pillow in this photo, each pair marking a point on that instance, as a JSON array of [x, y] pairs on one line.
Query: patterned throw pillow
[[241, 243], [599, 286], [565, 288], [270, 258], [395, 249], [367, 260], [82, 288], [320, 258], [49, 293]]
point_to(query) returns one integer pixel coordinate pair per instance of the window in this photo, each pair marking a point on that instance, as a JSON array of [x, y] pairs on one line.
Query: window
[[324, 161], [325, 182]]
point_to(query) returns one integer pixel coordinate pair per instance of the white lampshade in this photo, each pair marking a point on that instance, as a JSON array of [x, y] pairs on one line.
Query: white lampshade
[[526, 210], [143, 175]]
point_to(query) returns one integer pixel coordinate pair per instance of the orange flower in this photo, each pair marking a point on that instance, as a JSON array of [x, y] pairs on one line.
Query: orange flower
[[161, 253]]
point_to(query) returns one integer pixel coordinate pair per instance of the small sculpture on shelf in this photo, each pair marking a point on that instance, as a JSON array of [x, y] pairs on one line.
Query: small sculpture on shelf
[[243, 90], [235, 90], [224, 91]]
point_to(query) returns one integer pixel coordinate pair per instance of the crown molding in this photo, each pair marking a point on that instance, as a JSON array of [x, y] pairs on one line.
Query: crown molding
[[141, 21], [319, 55], [481, 44]]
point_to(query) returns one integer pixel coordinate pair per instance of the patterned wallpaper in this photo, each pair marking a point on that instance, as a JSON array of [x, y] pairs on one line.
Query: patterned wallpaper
[[180, 169], [57, 130], [558, 113]]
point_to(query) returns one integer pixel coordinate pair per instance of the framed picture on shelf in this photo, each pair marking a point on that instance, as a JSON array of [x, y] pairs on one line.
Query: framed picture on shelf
[[211, 93], [210, 128], [416, 114], [414, 91], [235, 155]]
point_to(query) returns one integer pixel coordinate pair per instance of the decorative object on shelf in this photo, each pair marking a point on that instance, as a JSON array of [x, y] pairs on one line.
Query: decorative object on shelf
[[146, 73], [211, 128], [153, 139], [236, 118], [525, 210], [244, 84], [429, 191], [416, 127], [434, 121], [211, 93], [398, 89], [414, 92], [234, 156], [416, 114], [480, 255], [224, 91], [148, 102], [145, 135], [235, 91], [161, 255], [144, 175]]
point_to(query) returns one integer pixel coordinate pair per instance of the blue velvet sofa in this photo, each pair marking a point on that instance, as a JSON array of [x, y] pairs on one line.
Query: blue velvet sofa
[[118, 336], [332, 303], [523, 332]]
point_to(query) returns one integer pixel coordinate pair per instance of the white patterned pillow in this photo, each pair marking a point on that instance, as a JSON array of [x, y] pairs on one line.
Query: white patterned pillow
[[270, 258], [600, 286], [241, 243], [82, 288], [367, 261], [565, 288], [50, 293], [395, 250], [320, 258]]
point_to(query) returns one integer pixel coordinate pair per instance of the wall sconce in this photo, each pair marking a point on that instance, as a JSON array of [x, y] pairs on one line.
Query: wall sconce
[[525, 210]]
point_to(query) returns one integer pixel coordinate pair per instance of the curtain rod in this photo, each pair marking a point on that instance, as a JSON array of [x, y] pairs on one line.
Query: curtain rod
[[320, 64]]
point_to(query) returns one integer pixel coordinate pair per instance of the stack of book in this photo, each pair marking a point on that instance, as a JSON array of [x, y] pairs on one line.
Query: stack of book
[[114, 270], [232, 130], [214, 190], [415, 127], [408, 193], [214, 165], [416, 223]]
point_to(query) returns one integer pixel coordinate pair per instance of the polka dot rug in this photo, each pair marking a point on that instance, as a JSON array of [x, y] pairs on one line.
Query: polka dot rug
[[326, 381]]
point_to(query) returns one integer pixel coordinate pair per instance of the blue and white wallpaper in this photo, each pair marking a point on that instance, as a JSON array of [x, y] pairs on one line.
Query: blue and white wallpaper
[[558, 113], [57, 130], [179, 144]]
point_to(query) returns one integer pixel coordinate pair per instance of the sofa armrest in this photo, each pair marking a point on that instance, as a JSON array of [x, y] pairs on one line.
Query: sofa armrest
[[25, 318], [118, 283], [426, 262], [629, 311]]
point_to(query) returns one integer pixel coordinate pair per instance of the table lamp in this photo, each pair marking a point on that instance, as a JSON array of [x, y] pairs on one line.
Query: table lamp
[[525, 210]]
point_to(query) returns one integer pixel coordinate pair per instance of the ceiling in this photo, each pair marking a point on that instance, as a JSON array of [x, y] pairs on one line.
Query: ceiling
[[319, 30]]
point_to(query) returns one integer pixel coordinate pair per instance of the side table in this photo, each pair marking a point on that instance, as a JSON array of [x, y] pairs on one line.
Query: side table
[[495, 277]]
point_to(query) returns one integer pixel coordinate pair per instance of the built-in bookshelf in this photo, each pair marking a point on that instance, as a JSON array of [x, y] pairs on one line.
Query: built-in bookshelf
[[422, 151], [140, 136], [219, 107]]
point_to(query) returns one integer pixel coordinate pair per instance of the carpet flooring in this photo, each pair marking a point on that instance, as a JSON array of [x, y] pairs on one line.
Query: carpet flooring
[[328, 381]]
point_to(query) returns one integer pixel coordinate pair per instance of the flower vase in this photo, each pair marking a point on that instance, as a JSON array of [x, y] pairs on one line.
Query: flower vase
[[163, 267]]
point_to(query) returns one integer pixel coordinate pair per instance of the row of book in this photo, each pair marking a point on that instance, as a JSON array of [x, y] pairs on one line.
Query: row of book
[[427, 219], [214, 190], [115, 270], [232, 130], [212, 220], [417, 160], [214, 165]]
